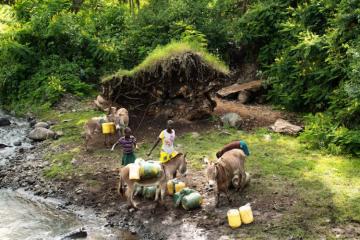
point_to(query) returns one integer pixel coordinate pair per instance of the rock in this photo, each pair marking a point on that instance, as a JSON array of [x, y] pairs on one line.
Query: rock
[[4, 122], [267, 137], [283, 126], [244, 96], [17, 143], [79, 233], [42, 124], [232, 120], [59, 133], [3, 145], [41, 133]]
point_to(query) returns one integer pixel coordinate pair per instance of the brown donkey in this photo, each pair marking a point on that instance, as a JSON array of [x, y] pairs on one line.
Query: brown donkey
[[178, 163], [119, 117], [228, 170]]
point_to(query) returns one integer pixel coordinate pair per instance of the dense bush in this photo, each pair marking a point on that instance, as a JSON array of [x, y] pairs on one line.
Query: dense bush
[[308, 52]]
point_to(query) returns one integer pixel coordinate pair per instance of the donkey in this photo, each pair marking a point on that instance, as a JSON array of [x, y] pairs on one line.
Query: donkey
[[119, 117], [228, 170], [178, 163]]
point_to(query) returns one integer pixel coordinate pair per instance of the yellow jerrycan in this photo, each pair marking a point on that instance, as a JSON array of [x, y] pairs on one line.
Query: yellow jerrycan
[[246, 214], [234, 219], [174, 186], [134, 171], [108, 128], [179, 186]]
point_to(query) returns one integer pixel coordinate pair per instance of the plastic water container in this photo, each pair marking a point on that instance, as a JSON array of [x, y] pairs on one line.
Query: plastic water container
[[171, 186], [179, 195], [174, 186], [134, 171], [149, 169], [179, 186], [149, 192], [234, 219], [191, 201], [246, 214], [108, 128]]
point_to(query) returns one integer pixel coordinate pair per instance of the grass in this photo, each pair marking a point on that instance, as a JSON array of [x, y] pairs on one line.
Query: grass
[[323, 189], [163, 53], [312, 190], [69, 146]]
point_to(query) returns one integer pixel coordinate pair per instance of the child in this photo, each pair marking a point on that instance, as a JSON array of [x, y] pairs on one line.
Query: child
[[128, 143], [167, 137]]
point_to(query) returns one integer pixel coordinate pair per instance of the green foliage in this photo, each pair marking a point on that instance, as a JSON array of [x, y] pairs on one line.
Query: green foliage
[[48, 50], [307, 51], [322, 131]]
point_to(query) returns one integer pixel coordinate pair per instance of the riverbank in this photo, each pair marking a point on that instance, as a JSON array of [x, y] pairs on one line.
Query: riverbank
[[295, 193]]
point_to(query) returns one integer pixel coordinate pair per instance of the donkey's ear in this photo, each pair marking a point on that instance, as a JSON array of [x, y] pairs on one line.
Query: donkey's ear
[[185, 155]]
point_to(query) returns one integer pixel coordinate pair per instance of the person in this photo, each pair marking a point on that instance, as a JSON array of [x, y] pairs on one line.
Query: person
[[167, 137], [128, 143], [234, 145]]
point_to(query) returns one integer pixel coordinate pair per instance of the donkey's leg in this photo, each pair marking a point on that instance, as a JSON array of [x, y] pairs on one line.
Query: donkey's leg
[[243, 180], [217, 198], [228, 196], [157, 193], [162, 192]]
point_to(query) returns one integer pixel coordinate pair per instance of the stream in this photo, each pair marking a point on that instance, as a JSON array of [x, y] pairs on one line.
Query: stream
[[25, 216]]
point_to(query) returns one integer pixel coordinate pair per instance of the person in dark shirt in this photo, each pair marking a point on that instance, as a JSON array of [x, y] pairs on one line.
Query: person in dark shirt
[[128, 143]]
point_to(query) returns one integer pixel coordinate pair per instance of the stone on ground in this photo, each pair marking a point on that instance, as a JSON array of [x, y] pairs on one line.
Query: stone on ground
[[232, 120], [41, 133], [42, 124], [4, 122], [283, 126]]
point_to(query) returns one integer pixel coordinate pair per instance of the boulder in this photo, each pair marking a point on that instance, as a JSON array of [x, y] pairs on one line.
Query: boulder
[[4, 122], [232, 120], [42, 124], [41, 133], [3, 145], [283, 126], [79, 233], [17, 143]]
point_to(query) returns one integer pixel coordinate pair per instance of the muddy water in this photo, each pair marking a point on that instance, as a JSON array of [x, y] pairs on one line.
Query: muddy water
[[24, 216]]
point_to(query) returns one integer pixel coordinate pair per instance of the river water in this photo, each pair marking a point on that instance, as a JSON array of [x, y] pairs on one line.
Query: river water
[[27, 217]]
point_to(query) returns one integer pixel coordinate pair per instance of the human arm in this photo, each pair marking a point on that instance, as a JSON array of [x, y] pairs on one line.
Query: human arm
[[135, 143], [112, 149]]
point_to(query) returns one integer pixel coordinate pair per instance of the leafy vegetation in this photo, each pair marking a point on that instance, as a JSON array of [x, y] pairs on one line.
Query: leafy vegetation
[[307, 52]]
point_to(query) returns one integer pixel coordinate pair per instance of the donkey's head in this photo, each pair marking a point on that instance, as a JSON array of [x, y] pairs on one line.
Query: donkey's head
[[183, 166], [211, 173], [117, 117]]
